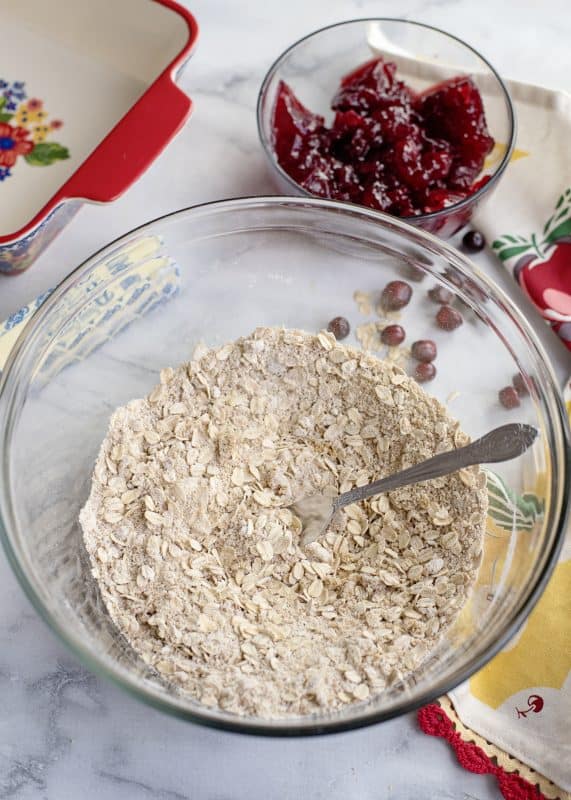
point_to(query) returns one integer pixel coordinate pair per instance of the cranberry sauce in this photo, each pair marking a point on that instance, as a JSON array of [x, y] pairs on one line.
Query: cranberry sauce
[[387, 148]]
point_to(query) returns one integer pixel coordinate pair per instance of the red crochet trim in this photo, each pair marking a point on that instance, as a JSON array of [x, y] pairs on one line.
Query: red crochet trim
[[434, 721]]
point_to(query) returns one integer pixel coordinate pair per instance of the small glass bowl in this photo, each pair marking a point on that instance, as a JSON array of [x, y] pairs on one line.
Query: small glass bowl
[[424, 55], [213, 273]]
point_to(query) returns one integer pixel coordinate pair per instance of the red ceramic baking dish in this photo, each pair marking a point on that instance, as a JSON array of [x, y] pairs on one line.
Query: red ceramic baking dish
[[88, 99]]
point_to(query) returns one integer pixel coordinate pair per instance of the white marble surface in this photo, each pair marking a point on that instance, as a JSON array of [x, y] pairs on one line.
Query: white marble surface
[[63, 732]]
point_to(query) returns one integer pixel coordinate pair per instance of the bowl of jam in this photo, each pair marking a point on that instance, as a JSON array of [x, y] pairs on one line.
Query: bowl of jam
[[393, 115]]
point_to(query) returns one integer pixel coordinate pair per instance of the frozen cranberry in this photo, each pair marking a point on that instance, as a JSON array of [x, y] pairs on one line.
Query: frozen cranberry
[[520, 385], [448, 318], [393, 335], [473, 241], [509, 398], [396, 295], [425, 371], [440, 295], [424, 350], [339, 327]]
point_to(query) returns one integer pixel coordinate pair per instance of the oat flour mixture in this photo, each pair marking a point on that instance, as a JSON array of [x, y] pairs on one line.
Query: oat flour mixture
[[198, 557]]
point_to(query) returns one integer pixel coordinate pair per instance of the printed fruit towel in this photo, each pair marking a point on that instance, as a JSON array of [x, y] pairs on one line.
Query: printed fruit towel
[[528, 218], [519, 705]]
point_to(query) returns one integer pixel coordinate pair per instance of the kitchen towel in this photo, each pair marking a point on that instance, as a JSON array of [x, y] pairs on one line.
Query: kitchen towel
[[528, 218], [513, 718]]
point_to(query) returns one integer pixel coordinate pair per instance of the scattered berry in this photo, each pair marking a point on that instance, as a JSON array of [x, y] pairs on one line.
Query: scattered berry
[[440, 295], [448, 318], [473, 241], [339, 327], [425, 371], [393, 335], [396, 295], [424, 350], [509, 398], [520, 385]]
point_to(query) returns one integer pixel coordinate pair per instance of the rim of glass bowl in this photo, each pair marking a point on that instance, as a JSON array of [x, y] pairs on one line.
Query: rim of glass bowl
[[20, 366], [434, 215]]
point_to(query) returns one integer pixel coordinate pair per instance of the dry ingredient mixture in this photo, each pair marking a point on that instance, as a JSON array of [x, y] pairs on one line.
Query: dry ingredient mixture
[[199, 559]]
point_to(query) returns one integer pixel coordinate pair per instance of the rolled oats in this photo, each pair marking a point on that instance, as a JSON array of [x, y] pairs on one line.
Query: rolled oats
[[198, 555]]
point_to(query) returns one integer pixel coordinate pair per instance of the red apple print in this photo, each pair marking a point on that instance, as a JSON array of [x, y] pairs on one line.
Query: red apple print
[[547, 283], [534, 704]]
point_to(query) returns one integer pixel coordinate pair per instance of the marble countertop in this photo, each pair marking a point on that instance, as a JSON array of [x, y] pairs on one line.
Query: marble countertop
[[65, 733]]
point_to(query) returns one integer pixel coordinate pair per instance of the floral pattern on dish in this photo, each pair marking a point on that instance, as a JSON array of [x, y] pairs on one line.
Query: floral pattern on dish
[[24, 130]]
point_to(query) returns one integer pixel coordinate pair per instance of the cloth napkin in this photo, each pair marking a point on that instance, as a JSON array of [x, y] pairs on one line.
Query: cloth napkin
[[519, 705], [528, 218]]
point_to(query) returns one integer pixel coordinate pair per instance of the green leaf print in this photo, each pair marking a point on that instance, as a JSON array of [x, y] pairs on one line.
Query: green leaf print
[[511, 252], [509, 510], [559, 224], [47, 153]]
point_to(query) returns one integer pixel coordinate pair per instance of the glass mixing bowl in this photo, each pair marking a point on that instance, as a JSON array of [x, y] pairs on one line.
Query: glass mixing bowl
[[214, 273], [424, 55]]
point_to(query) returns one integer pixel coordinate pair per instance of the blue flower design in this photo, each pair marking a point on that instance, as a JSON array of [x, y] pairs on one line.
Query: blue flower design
[[44, 296], [16, 318], [4, 173]]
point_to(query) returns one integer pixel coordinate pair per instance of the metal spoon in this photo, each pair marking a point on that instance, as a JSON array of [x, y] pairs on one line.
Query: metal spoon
[[501, 444]]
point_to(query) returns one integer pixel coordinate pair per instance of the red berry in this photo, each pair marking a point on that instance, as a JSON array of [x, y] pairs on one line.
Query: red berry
[[424, 350], [448, 318], [339, 327], [509, 398], [396, 295], [425, 371], [393, 335], [473, 241]]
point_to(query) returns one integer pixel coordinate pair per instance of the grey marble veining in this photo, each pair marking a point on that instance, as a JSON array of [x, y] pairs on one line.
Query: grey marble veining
[[65, 733]]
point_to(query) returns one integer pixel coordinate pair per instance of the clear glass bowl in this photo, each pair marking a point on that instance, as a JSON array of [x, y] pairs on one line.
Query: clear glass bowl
[[424, 55], [214, 273]]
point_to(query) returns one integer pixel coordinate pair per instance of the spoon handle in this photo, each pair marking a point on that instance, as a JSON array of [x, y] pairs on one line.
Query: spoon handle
[[501, 444]]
